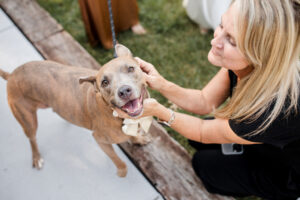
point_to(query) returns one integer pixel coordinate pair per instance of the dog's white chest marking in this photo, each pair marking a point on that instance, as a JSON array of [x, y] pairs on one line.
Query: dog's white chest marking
[[135, 127]]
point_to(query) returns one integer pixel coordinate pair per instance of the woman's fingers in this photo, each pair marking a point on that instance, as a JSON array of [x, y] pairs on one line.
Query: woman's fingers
[[121, 114], [147, 77], [153, 78], [145, 66], [150, 80]]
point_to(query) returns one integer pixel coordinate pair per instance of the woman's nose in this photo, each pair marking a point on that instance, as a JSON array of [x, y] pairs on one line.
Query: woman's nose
[[217, 40]]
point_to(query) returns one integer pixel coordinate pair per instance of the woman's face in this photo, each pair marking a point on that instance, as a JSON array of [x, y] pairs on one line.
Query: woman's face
[[224, 52]]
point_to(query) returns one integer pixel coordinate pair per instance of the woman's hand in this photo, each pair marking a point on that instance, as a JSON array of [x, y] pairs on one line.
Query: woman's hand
[[153, 78], [150, 105]]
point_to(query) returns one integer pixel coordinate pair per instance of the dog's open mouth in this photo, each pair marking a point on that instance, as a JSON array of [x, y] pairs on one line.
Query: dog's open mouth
[[134, 107]]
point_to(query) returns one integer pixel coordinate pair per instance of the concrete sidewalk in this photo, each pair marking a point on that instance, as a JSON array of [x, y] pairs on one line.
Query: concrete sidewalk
[[75, 167]]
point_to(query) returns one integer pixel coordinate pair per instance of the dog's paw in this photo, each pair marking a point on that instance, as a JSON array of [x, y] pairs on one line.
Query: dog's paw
[[38, 163], [122, 172]]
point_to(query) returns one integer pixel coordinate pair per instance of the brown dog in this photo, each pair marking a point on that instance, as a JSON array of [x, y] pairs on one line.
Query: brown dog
[[81, 96]]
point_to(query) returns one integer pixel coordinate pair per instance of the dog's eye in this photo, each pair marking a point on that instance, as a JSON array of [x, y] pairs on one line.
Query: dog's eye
[[104, 83], [130, 69]]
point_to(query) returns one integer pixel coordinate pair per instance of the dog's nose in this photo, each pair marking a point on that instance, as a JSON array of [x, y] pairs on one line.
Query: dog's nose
[[125, 92]]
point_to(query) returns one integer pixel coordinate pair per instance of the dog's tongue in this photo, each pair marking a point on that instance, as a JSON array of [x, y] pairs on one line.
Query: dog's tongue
[[131, 106]]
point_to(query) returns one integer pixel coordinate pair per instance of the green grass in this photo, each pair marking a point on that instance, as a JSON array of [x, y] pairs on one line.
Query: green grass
[[173, 44]]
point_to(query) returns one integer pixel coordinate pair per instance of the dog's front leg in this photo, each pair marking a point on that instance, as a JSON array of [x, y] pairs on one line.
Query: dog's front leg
[[109, 150]]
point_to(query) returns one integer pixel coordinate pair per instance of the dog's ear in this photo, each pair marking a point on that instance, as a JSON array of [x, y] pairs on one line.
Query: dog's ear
[[90, 79], [121, 50]]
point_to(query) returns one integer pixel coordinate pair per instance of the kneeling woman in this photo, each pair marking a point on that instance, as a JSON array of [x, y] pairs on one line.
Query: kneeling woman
[[257, 46]]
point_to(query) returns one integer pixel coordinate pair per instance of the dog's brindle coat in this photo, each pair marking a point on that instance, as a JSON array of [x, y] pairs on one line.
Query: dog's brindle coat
[[86, 102]]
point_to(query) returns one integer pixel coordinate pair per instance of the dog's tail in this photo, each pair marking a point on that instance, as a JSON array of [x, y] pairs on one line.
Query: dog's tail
[[4, 74]]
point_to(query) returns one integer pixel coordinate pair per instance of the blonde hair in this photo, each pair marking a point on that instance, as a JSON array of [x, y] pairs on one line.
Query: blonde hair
[[269, 37]]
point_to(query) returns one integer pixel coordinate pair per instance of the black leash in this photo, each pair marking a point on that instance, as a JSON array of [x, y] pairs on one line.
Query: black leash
[[112, 26]]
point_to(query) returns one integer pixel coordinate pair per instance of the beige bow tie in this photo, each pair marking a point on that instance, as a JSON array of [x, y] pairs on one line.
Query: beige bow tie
[[136, 127]]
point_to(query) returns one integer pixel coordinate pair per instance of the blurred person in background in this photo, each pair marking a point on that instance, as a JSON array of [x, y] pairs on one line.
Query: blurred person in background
[[95, 15], [206, 13]]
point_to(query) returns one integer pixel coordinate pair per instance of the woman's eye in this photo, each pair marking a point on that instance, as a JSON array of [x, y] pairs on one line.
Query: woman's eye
[[130, 69], [104, 83], [231, 41]]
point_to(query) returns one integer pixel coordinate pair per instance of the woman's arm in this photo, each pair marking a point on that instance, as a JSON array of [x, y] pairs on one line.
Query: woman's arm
[[196, 101], [199, 101], [206, 131], [215, 131]]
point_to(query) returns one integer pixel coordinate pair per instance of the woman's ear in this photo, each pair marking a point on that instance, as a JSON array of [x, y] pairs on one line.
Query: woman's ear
[[121, 50], [90, 79]]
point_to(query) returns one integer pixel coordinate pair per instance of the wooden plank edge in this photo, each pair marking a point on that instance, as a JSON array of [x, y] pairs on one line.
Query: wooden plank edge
[[61, 47], [35, 22]]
